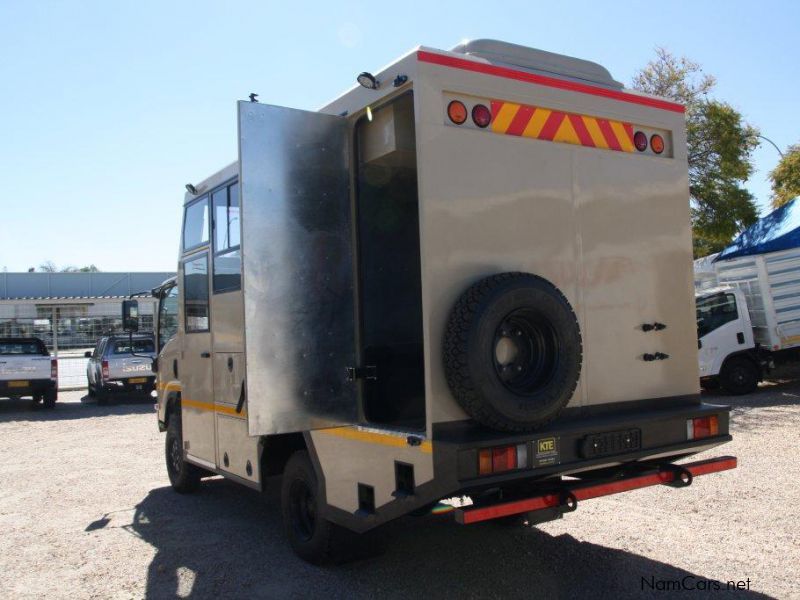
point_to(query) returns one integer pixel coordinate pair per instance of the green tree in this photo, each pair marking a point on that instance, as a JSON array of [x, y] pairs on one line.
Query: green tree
[[50, 267], [786, 177], [720, 147]]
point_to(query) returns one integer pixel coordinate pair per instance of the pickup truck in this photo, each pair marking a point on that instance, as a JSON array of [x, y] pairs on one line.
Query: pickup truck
[[120, 363], [26, 369]]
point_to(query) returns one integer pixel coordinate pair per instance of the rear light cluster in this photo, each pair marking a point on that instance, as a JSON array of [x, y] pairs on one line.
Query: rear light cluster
[[54, 369], [702, 427], [105, 369], [457, 113], [502, 458], [656, 142]]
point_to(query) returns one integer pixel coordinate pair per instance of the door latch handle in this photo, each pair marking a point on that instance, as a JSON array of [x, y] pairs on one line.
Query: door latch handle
[[205, 354]]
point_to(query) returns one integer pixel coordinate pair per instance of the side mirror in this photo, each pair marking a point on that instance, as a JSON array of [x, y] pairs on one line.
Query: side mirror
[[130, 316], [87, 354]]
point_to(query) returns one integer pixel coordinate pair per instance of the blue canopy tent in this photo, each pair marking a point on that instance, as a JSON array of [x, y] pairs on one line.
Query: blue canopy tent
[[779, 230]]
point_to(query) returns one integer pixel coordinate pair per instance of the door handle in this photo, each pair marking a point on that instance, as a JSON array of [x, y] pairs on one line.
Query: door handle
[[205, 354]]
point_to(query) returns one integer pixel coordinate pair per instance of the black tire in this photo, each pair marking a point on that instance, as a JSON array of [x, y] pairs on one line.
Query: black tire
[[101, 396], [183, 476], [91, 393], [312, 537], [37, 399], [50, 398], [739, 375], [513, 351]]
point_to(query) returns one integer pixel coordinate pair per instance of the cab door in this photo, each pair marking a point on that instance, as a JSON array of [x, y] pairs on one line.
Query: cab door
[[195, 364], [722, 331]]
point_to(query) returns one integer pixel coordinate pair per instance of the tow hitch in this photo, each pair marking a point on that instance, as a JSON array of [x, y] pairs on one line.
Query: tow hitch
[[567, 494]]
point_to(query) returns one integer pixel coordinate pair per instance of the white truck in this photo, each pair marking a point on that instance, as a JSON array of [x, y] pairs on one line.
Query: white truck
[[749, 319], [468, 275], [26, 369], [120, 364]]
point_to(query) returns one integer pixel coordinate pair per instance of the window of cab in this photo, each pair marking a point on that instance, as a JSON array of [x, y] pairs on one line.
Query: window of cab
[[196, 224]]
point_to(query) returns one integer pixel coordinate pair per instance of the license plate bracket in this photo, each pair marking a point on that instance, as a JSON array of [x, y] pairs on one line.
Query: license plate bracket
[[611, 442]]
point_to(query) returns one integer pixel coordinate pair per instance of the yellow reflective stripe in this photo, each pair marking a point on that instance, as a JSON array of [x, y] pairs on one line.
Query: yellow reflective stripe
[[504, 116], [170, 387], [566, 133], [622, 136], [372, 437], [534, 126], [210, 406], [594, 131]]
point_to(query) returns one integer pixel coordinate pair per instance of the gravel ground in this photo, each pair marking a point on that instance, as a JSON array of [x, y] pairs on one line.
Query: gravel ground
[[86, 512]]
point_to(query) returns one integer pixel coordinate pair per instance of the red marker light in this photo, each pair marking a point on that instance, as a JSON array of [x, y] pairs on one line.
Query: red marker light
[[640, 141], [457, 112], [657, 143], [481, 115]]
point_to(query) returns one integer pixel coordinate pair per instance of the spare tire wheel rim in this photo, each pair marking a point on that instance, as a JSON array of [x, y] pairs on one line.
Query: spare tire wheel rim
[[525, 352]]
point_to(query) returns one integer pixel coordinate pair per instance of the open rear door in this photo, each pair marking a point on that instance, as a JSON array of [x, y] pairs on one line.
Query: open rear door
[[297, 269]]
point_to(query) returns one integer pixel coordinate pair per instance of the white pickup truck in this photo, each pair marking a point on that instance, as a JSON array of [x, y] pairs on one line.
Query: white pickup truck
[[26, 369], [121, 364]]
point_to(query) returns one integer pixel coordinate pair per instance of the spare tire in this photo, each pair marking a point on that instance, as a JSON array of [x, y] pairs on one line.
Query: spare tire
[[513, 351]]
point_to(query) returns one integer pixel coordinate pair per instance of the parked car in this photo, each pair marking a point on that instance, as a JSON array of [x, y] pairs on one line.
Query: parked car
[[26, 369], [120, 363]]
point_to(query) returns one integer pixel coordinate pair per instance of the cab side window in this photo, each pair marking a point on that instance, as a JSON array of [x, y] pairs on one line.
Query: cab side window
[[195, 294], [714, 312], [195, 224], [227, 255]]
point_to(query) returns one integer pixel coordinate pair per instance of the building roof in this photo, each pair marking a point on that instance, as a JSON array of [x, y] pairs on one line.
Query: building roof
[[779, 230], [77, 286]]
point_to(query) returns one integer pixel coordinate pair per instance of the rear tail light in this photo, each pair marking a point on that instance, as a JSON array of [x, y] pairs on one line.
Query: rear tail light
[[502, 458], [640, 141], [53, 369], [457, 112], [656, 143], [702, 427], [481, 115], [105, 369]]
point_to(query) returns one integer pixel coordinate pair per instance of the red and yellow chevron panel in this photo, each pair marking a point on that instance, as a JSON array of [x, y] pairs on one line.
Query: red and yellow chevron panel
[[556, 126]]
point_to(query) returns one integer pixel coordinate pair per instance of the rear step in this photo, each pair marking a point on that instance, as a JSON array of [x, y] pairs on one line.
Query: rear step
[[566, 495]]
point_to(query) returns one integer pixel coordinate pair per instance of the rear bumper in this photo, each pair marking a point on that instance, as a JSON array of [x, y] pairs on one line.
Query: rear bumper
[[34, 386], [124, 385], [661, 433]]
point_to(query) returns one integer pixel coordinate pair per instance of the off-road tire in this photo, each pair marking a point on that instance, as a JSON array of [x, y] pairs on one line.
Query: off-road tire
[[315, 540], [183, 476], [474, 376], [738, 376]]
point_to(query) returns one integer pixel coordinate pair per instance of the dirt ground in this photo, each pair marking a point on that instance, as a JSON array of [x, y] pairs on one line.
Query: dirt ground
[[86, 512]]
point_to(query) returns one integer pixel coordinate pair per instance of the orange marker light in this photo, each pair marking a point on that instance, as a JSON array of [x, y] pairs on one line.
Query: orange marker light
[[457, 112], [657, 143], [485, 461]]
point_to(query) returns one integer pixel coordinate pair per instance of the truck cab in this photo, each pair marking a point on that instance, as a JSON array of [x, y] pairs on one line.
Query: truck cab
[[728, 354]]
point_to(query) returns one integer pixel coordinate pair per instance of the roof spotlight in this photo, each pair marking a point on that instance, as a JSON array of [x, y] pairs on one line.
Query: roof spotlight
[[191, 189], [368, 81]]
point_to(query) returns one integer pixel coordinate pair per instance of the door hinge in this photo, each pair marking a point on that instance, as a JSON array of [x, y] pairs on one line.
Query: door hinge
[[369, 373]]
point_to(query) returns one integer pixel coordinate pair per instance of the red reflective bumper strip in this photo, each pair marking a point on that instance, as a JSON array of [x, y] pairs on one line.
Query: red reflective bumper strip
[[572, 86], [587, 492]]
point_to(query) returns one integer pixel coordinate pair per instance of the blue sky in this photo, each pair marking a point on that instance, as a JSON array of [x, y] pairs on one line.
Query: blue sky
[[108, 108]]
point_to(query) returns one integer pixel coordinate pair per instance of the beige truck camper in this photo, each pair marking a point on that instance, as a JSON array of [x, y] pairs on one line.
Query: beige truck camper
[[470, 275]]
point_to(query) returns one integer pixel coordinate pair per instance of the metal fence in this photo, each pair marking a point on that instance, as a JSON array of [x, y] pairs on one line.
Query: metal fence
[[69, 331]]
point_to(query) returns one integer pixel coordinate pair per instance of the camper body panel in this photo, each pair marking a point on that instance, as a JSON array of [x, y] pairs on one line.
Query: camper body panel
[[610, 229]]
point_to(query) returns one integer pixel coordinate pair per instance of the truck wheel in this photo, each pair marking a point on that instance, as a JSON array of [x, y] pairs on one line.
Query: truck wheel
[[183, 476], [739, 376], [312, 537], [91, 393], [50, 398], [513, 351], [101, 395], [37, 398]]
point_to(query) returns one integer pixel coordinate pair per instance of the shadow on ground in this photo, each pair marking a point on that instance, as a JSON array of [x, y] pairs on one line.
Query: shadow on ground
[[226, 541], [25, 410]]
